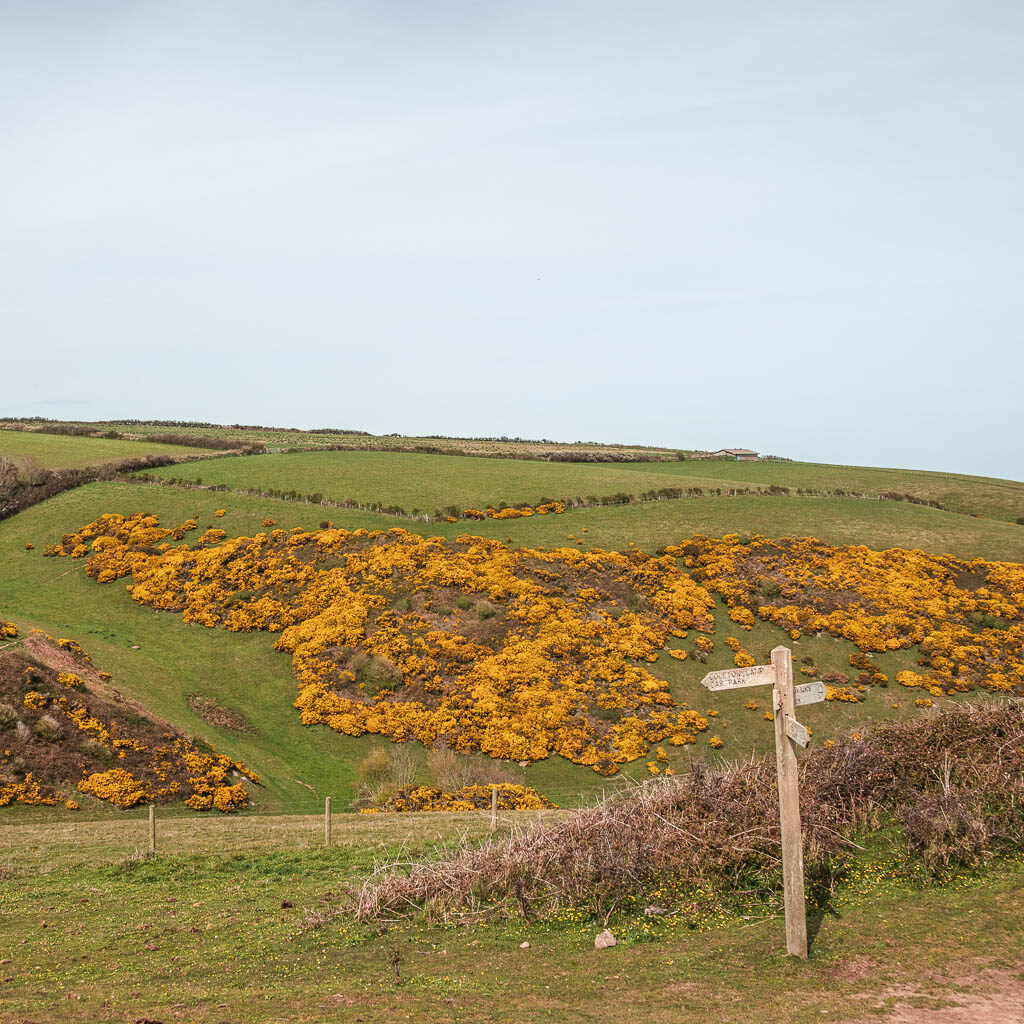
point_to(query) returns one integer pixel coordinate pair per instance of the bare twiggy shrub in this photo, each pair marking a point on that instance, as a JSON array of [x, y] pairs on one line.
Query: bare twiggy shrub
[[48, 728], [450, 771], [386, 770], [406, 765], [8, 716], [374, 773], [955, 781]]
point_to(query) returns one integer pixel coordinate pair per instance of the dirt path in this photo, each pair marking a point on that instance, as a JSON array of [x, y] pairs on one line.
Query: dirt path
[[989, 997]]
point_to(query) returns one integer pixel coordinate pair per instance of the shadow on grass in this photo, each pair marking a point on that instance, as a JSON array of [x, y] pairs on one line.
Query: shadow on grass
[[818, 907]]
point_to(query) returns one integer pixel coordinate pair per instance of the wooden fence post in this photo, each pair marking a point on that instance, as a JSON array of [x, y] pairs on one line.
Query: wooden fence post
[[789, 807], [327, 821], [494, 808], [152, 830]]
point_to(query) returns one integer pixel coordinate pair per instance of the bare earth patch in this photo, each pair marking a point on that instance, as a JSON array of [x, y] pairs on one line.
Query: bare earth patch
[[992, 997], [214, 713], [854, 969]]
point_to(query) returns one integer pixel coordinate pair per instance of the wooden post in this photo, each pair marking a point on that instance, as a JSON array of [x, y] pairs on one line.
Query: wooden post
[[152, 830], [494, 808], [327, 821], [789, 807]]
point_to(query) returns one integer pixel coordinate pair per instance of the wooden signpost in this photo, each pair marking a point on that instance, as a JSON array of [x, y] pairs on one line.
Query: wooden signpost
[[788, 731]]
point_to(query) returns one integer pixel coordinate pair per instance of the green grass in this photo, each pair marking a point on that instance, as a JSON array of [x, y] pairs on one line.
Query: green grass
[[158, 659], [200, 934], [969, 495], [652, 525], [429, 482], [425, 482], [56, 451]]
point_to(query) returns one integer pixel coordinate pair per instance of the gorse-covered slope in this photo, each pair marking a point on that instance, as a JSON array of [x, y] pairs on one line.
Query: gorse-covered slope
[[66, 733], [520, 653]]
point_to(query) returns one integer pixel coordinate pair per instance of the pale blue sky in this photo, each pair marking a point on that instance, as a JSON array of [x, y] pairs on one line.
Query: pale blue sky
[[793, 227]]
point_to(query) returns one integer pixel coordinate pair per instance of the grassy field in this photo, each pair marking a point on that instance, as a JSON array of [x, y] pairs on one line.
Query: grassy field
[[878, 524], [158, 659], [56, 451], [429, 482], [655, 524], [970, 495], [215, 929]]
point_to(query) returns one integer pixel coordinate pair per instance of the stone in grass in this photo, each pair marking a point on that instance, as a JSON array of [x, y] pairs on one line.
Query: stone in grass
[[604, 940]]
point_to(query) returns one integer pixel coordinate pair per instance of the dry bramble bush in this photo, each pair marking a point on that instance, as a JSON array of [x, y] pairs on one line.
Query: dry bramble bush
[[952, 783]]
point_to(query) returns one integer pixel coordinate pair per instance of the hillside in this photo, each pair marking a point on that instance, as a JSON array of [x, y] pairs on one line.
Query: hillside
[[555, 649], [426, 483], [162, 661], [197, 678], [280, 438], [67, 733]]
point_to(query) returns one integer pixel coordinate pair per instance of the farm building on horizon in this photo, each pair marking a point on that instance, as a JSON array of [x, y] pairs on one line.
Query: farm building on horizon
[[739, 454]]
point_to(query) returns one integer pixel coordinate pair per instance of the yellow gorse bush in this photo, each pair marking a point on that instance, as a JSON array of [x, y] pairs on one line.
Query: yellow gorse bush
[[967, 617], [557, 666], [26, 792], [555, 507], [511, 797]]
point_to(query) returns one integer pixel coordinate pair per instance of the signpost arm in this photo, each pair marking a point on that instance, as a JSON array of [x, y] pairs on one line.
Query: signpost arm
[[789, 808]]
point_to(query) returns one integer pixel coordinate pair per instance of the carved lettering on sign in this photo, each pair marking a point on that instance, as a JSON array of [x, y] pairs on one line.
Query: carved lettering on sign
[[808, 693], [731, 678], [796, 732]]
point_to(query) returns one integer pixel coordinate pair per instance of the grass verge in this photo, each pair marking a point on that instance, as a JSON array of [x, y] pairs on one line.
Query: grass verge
[[224, 937]]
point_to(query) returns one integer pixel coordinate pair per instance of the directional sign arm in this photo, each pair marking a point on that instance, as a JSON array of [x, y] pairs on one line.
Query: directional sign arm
[[808, 693], [732, 678], [796, 732]]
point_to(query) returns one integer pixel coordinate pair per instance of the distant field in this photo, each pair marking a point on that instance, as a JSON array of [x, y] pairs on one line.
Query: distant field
[[56, 451], [651, 525], [430, 482], [427, 482], [275, 437], [979, 495]]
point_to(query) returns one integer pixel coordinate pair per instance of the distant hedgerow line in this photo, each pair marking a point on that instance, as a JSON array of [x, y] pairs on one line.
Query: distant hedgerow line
[[453, 513]]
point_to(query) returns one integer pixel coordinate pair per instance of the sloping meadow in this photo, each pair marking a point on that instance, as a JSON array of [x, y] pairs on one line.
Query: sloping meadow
[[520, 652]]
